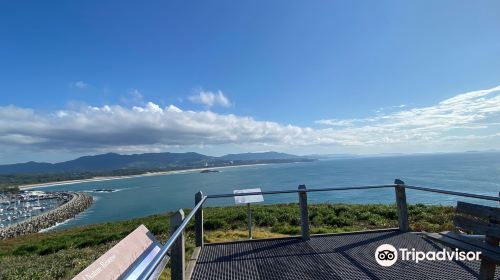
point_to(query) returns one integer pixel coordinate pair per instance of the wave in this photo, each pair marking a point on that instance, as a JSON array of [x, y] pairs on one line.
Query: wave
[[56, 225]]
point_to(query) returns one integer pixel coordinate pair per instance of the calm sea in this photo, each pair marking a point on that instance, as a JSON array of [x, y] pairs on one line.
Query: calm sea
[[467, 172]]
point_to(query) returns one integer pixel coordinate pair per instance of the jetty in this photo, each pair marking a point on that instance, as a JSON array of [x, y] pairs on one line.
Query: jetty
[[350, 255]]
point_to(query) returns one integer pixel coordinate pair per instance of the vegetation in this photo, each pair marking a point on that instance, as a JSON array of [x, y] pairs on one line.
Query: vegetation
[[62, 254], [7, 189], [19, 179]]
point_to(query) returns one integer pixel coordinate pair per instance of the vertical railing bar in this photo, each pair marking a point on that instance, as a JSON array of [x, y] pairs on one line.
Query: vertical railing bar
[[304, 214], [402, 206], [199, 220], [177, 253]]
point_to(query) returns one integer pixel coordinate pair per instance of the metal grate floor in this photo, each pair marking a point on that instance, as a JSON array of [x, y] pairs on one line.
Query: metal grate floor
[[339, 256]]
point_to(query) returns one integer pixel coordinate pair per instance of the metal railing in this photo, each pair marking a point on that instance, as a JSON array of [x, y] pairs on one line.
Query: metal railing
[[307, 190], [178, 226], [150, 269], [470, 195]]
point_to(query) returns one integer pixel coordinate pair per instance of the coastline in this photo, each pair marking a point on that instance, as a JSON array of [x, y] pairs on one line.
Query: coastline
[[108, 178]]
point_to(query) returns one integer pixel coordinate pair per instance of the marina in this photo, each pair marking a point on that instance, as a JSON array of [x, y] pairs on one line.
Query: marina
[[16, 208], [25, 217]]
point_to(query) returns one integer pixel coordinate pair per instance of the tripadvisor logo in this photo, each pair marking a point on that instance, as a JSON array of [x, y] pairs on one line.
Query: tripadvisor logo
[[387, 255]]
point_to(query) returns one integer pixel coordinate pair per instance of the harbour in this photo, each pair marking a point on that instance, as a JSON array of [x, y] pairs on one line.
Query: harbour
[[16, 208], [56, 207]]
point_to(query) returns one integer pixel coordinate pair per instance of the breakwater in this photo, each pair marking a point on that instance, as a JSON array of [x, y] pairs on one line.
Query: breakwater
[[77, 204]]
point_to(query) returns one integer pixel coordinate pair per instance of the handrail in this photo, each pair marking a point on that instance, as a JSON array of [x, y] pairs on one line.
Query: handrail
[[471, 195], [252, 193], [164, 250], [297, 191], [478, 196], [350, 188]]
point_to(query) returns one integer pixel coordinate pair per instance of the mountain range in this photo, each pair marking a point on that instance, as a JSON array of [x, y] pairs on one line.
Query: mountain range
[[113, 161]]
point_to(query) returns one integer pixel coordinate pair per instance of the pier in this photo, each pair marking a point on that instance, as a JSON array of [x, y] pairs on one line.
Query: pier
[[348, 255]]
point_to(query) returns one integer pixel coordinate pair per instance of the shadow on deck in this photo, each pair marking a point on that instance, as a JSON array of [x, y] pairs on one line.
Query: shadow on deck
[[334, 256]]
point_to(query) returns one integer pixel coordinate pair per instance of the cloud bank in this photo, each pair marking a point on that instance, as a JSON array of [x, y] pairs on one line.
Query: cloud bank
[[465, 121]]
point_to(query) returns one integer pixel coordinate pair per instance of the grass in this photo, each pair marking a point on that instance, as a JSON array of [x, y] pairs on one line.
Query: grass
[[235, 234], [62, 254]]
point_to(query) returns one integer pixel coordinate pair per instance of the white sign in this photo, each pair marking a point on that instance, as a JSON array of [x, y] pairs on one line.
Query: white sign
[[244, 199], [127, 259]]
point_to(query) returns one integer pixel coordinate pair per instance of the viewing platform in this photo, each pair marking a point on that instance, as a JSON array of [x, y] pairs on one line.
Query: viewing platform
[[326, 257], [350, 255]]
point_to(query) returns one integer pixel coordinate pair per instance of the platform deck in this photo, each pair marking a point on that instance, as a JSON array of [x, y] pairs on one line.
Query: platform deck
[[328, 257]]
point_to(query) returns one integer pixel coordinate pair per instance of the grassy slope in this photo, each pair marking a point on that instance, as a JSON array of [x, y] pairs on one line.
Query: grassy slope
[[62, 254]]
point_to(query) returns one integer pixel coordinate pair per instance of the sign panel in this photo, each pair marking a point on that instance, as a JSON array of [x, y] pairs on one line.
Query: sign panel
[[126, 260], [244, 199]]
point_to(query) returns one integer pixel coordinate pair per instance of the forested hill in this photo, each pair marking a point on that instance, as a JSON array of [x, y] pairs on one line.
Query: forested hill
[[112, 164], [112, 161]]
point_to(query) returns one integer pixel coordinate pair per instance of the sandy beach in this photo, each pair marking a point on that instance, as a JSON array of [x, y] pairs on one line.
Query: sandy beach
[[107, 178]]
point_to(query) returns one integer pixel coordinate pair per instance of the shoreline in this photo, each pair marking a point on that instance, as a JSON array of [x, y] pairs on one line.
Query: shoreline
[[109, 178]]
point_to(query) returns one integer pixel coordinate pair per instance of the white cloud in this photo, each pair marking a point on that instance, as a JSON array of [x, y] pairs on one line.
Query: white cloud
[[135, 93], [79, 85], [475, 111], [116, 126], [336, 122], [133, 97], [466, 121], [210, 99]]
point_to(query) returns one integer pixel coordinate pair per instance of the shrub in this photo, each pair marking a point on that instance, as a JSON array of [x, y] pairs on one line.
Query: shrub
[[214, 224]]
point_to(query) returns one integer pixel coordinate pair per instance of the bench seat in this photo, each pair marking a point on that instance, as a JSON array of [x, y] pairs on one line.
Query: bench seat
[[462, 242], [478, 219]]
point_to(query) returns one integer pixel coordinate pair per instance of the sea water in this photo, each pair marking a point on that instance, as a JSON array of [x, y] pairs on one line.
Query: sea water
[[477, 173]]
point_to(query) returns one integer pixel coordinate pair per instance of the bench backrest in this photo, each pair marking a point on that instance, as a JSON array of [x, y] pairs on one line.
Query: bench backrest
[[478, 219]]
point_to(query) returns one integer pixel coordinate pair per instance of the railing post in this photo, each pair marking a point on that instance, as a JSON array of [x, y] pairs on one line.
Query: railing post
[[304, 215], [198, 220], [249, 210], [402, 206], [177, 252]]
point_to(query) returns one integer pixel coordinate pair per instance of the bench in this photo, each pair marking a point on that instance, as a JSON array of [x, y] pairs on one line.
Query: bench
[[478, 219]]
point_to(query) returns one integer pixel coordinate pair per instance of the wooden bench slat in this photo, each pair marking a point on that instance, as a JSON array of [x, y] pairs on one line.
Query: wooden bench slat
[[477, 226], [454, 243], [472, 241], [481, 211]]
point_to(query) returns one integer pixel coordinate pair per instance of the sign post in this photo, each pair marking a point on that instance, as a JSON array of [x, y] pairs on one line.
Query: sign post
[[247, 199], [249, 221]]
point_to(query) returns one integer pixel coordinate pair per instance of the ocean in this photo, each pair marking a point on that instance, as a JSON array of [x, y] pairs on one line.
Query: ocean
[[474, 172]]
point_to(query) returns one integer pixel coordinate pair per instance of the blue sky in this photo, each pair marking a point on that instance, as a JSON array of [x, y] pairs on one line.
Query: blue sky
[[237, 76]]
